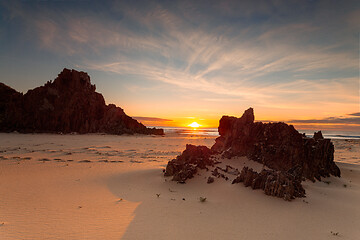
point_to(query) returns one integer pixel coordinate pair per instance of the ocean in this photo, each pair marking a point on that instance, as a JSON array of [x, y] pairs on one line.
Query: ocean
[[189, 131], [346, 144], [214, 132]]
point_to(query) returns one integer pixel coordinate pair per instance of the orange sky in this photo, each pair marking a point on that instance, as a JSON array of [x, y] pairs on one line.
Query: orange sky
[[187, 61]]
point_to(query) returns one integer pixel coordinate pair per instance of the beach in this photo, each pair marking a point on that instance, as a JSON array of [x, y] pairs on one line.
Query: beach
[[97, 186]]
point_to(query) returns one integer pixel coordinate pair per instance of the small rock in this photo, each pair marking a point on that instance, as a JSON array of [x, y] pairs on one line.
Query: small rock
[[202, 199], [210, 180]]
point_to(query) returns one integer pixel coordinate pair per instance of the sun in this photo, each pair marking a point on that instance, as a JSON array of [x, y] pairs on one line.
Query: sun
[[194, 125]]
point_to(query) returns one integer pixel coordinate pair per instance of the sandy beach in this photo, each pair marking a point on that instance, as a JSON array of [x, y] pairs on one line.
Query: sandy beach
[[112, 187]]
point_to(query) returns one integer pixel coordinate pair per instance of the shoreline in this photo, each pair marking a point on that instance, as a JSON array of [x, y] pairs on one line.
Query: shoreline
[[117, 199]]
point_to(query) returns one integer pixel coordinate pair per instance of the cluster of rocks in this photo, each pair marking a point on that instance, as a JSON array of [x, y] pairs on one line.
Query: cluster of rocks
[[68, 104], [290, 156], [274, 183], [223, 172], [278, 146], [185, 166]]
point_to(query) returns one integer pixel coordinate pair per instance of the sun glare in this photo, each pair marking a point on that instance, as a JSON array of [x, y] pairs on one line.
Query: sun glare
[[194, 125]]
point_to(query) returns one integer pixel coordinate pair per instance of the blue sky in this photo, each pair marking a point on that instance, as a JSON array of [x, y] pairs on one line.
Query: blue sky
[[182, 60]]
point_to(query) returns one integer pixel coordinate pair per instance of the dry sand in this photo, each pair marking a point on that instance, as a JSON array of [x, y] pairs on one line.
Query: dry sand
[[112, 187]]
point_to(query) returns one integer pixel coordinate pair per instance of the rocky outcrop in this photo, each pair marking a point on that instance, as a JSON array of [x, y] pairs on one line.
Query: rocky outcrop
[[68, 104], [274, 183], [290, 156], [276, 145], [185, 166]]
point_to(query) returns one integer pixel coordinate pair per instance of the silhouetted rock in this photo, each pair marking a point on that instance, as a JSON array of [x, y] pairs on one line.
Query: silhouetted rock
[[69, 104], [318, 135], [274, 183], [291, 156], [186, 164], [276, 145]]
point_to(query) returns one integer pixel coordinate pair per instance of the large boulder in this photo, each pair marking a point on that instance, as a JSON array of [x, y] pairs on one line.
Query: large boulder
[[276, 145], [290, 156], [68, 104]]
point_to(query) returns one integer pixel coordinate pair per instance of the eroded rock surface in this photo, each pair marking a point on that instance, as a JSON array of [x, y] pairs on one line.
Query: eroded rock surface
[[274, 183], [276, 145], [186, 165], [290, 156], [68, 104]]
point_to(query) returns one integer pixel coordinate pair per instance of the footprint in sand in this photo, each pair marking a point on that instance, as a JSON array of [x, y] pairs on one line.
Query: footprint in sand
[[44, 160], [136, 161], [84, 161], [59, 160], [103, 147], [108, 154]]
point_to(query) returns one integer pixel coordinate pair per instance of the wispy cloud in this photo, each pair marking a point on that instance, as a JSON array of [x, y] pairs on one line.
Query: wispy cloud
[[274, 54]]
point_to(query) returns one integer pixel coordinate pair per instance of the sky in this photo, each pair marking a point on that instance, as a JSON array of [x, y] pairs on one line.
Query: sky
[[170, 63]]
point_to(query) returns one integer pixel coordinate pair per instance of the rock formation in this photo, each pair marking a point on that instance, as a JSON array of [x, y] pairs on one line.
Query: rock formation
[[274, 183], [276, 145], [68, 104], [291, 156], [185, 166]]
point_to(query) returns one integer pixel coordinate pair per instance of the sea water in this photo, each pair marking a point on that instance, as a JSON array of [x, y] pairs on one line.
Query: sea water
[[214, 132], [346, 144]]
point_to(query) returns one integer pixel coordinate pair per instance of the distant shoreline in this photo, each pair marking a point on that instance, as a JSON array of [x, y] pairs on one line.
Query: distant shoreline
[[213, 132]]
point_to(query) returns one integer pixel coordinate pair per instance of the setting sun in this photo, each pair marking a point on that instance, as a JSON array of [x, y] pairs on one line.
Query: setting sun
[[194, 125]]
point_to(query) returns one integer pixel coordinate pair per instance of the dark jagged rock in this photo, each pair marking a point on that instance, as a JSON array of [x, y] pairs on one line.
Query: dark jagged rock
[[274, 183], [185, 165], [68, 104], [210, 180], [216, 172], [291, 156], [276, 145], [318, 135]]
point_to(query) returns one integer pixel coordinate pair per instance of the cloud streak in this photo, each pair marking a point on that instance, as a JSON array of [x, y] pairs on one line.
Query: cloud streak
[[277, 54]]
